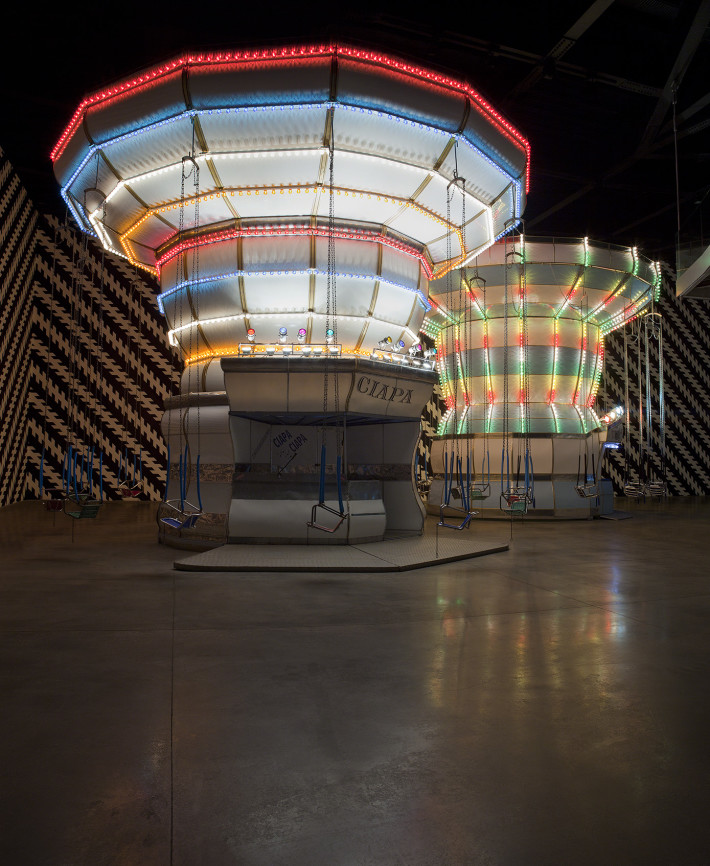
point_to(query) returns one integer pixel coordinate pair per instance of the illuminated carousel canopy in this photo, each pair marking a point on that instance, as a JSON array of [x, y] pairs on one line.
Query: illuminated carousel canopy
[[576, 292], [259, 123], [254, 184]]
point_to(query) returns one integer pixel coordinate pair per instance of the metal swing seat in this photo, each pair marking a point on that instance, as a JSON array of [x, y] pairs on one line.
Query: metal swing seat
[[81, 505], [587, 489], [55, 501], [461, 493], [184, 518], [320, 506], [516, 499], [481, 491], [130, 492], [185, 514]]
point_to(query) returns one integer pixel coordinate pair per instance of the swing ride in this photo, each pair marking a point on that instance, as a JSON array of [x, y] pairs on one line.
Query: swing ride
[[292, 203], [520, 350]]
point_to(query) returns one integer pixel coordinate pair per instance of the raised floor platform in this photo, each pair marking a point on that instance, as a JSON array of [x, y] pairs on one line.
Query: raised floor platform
[[436, 546]]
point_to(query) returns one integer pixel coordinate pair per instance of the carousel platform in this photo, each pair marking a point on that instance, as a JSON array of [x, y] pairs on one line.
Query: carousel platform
[[395, 554]]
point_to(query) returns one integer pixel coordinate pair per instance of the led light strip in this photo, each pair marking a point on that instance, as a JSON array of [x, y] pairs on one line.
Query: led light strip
[[295, 231], [286, 273], [311, 189], [467, 409], [444, 421], [599, 366], [191, 113], [154, 73], [254, 317], [629, 313], [555, 345], [444, 378], [487, 369], [659, 281], [459, 364], [581, 419]]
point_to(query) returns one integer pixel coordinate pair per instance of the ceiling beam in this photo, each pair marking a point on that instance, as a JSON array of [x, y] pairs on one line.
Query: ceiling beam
[[682, 116], [581, 25], [494, 49], [692, 40]]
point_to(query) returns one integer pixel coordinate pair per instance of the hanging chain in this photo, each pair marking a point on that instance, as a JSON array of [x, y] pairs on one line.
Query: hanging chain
[[195, 280], [526, 343]]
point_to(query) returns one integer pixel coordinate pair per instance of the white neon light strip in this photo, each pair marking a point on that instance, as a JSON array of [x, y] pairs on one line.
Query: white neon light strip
[[300, 272], [191, 113], [257, 316]]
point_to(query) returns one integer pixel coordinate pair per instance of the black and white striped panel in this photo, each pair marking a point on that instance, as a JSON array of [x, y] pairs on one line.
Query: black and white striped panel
[[17, 240], [100, 364], [686, 356]]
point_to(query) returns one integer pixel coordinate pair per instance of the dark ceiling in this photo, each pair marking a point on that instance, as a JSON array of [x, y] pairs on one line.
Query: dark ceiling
[[590, 84]]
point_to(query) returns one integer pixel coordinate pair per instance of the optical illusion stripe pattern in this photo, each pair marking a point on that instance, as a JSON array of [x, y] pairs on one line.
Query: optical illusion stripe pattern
[[17, 240], [101, 371], [686, 375]]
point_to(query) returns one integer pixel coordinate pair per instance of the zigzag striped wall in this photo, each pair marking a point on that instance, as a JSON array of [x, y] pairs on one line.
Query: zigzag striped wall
[[686, 356], [100, 367], [17, 240]]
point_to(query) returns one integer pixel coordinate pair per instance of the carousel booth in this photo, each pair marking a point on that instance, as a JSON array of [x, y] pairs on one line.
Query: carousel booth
[[295, 205], [520, 353]]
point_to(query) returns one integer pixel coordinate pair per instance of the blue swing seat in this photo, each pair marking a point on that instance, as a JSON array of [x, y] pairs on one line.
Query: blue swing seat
[[178, 524]]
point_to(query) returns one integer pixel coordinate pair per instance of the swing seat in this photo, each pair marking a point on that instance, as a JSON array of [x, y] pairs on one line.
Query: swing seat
[[54, 503], [466, 520], [516, 502], [656, 488], [81, 506], [313, 523], [479, 492], [634, 490], [185, 515], [587, 491], [178, 524], [130, 492]]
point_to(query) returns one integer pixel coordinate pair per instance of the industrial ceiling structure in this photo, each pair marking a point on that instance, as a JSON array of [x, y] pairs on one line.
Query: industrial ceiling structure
[[595, 87]]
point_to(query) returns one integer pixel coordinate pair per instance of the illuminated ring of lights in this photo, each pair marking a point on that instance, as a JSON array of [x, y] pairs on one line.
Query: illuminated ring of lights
[[94, 149], [295, 231], [484, 108], [421, 297], [223, 193], [256, 316]]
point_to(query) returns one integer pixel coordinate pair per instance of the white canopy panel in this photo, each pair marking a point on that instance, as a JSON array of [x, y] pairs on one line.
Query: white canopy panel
[[259, 126]]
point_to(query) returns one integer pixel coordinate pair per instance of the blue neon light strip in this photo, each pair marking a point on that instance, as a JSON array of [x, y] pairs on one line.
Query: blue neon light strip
[[190, 113], [301, 272]]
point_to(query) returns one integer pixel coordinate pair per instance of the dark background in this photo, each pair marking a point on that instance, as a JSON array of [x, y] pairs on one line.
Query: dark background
[[596, 104]]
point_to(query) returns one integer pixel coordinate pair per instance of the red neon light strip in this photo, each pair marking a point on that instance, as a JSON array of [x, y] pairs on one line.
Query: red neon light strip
[[298, 231], [287, 53]]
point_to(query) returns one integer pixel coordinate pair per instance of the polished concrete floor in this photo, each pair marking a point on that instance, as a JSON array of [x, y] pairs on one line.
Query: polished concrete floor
[[545, 705]]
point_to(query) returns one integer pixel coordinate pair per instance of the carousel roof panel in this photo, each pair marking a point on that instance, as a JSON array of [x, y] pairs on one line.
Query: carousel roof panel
[[151, 148], [354, 294], [376, 86], [357, 257], [368, 131], [266, 168], [267, 293], [266, 128], [268, 81], [391, 124], [126, 209], [376, 174], [147, 104]]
